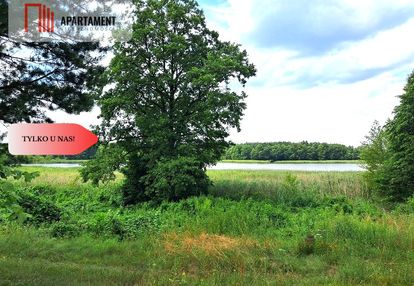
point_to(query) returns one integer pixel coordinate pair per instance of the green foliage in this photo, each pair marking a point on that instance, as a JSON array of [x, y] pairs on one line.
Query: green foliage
[[291, 183], [170, 98], [7, 163], [61, 203], [176, 179], [389, 151], [26, 205], [134, 187], [297, 189], [64, 229], [10, 209], [374, 153], [124, 224], [338, 237], [398, 181], [40, 207], [169, 180], [406, 207], [282, 151], [107, 160]]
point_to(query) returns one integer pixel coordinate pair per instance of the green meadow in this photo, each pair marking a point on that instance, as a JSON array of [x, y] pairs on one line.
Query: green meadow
[[254, 228]]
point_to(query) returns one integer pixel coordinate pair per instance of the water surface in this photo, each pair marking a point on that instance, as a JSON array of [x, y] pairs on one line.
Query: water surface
[[337, 167], [334, 167]]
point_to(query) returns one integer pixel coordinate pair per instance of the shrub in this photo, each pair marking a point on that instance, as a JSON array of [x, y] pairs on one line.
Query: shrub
[[41, 208], [26, 205], [374, 153], [133, 190], [176, 179], [10, 209], [64, 229], [407, 207]]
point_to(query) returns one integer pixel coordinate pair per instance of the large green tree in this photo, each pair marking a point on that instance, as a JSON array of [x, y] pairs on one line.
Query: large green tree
[[389, 150], [170, 104], [398, 182]]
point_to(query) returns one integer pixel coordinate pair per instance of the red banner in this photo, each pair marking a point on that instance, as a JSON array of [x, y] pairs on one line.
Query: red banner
[[49, 139]]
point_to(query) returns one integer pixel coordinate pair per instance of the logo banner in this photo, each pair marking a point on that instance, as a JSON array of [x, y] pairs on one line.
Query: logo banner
[[76, 21]]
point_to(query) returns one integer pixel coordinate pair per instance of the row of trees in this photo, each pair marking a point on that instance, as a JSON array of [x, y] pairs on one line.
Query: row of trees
[[279, 151]]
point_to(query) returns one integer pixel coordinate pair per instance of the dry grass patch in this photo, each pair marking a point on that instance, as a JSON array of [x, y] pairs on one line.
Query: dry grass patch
[[210, 244]]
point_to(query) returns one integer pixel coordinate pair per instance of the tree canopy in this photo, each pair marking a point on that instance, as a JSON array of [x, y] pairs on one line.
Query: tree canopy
[[389, 152], [170, 105], [399, 168]]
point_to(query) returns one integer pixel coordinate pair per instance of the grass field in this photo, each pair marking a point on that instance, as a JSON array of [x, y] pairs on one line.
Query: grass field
[[254, 228]]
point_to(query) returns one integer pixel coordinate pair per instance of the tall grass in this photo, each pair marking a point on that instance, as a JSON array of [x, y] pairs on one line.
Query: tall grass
[[347, 251], [350, 184], [254, 228], [269, 184]]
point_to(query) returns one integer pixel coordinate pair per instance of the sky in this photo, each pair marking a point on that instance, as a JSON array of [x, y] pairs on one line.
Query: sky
[[325, 69]]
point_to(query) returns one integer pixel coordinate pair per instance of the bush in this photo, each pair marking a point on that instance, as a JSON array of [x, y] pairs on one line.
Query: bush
[[26, 205], [64, 229], [407, 207], [122, 223], [170, 180], [10, 209], [133, 190], [40, 207]]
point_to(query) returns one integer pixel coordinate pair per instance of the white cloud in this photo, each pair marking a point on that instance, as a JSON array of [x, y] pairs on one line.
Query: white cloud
[[332, 96], [329, 113], [86, 119]]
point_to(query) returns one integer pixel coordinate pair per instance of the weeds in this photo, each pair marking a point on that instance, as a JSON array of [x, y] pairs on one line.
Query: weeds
[[252, 228]]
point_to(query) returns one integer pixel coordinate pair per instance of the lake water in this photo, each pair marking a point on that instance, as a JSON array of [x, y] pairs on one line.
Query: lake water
[[334, 167], [338, 167]]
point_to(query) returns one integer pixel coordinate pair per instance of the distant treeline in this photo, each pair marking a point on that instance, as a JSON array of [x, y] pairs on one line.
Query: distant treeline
[[85, 155], [279, 151]]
